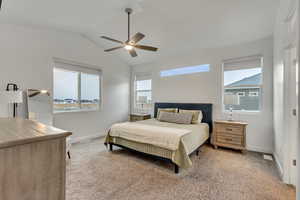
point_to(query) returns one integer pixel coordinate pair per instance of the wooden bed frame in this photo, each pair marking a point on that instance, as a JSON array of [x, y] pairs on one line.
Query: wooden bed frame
[[207, 118]]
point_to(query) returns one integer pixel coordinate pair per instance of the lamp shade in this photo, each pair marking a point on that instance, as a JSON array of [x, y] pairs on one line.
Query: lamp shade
[[11, 97], [231, 99]]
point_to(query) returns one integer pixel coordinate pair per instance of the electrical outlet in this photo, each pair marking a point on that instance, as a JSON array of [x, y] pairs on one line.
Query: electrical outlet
[[294, 162], [294, 112]]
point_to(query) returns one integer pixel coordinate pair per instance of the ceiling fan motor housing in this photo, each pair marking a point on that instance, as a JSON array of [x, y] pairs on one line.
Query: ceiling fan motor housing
[[128, 10]]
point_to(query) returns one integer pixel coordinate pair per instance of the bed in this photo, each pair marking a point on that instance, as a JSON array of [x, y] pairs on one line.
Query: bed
[[154, 132]]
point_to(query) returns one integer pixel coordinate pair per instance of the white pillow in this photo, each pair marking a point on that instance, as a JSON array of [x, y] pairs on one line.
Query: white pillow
[[178, 118], [197, 115], [172, 110]]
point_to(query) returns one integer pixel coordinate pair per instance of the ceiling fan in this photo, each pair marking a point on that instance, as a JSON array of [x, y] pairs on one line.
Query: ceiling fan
[[131, 44]]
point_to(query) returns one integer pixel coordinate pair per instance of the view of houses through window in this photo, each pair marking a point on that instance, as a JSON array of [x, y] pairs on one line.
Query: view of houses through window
[[245, 84]]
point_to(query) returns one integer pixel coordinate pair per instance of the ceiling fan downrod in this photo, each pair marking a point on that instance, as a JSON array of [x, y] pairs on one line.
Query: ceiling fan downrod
[[128, 11]]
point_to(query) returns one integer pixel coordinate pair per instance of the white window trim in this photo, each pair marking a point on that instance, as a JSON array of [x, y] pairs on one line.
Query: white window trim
[[84, 68], [246, 112]]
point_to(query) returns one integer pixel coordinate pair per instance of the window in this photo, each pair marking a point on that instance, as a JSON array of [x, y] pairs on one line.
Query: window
[[185, 70], [243, 77], [143, 94], [76, 88], [253, 94], [241, 94]]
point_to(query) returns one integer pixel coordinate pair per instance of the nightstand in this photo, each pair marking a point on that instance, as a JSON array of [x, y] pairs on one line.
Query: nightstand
[[139, 117], [231, 134]]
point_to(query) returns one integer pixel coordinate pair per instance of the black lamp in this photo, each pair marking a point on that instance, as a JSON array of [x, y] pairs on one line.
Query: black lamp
[[13, 96]]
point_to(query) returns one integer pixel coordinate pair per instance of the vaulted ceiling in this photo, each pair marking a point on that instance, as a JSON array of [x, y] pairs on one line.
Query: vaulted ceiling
[[175, 26]]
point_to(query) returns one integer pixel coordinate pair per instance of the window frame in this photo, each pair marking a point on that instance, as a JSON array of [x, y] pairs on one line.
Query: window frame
[[80, 68], [135, 108], [250, 112]]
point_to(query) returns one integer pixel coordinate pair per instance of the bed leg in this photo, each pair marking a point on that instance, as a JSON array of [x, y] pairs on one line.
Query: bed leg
[[176, 169], [197, 152], [110, 146]]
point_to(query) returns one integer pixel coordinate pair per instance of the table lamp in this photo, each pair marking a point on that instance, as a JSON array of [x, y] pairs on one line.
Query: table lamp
[[11, 97], [231, 99], [142, 100]]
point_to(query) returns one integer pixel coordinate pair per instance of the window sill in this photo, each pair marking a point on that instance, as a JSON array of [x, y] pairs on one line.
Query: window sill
[[75, 111], [243, 112]]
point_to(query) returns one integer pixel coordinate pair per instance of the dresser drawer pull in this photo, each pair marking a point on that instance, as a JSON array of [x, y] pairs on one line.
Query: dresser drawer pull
[[228, 139], [229, 129]]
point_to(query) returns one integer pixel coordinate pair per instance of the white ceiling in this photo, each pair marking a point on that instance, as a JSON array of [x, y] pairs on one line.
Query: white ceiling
[[175, 26]]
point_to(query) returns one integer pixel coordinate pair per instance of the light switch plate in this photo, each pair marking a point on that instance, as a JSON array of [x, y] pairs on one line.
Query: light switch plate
[[268, 157]]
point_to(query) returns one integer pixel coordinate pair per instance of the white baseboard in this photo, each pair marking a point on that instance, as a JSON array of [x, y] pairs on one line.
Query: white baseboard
[[278, 165], [259, 149], [86, 138]]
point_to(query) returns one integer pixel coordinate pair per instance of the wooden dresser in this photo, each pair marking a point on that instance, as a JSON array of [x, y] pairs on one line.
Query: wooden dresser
[[32, 160], [231, 134], [139, 117]]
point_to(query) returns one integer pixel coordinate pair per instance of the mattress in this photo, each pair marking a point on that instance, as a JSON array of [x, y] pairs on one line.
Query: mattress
[[199, 134]]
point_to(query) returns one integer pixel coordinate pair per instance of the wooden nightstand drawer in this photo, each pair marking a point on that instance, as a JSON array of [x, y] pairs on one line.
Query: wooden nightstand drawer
[[134, 118], [139, 117], [229, 139], [231, 129]]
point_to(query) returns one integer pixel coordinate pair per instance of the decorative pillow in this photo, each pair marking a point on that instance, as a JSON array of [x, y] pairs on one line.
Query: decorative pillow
[[179, 118], [197, 115], [172, 110]]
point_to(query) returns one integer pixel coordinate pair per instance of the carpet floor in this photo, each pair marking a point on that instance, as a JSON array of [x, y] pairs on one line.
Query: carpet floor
[[93, 173]]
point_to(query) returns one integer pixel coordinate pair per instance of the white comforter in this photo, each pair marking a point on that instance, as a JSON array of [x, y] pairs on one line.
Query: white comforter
[[165, 137]]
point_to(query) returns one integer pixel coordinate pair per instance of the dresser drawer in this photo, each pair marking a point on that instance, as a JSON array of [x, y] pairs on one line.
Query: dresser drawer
[[229, 139], [231, 129], [135, 118]]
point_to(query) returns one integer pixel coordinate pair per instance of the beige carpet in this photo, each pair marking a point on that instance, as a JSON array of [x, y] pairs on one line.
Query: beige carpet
[[96, 174]]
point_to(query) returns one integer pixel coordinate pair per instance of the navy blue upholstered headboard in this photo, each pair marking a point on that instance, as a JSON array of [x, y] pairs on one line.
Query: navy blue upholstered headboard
[[206, 109]]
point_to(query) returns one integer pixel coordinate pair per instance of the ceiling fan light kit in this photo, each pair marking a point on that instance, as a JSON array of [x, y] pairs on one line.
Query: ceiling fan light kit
[[128, 47], [131, 44]]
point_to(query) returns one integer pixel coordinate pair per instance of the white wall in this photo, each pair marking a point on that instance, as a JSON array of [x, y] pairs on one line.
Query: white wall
[[281, 42], [298, 152], [26, 58], [206, 87]]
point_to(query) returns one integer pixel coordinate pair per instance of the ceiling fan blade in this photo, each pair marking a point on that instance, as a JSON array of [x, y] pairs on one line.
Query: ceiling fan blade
[[133, 53], [34, 94], [111, 39], [136, 38], [147, 48], [115, 48]]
